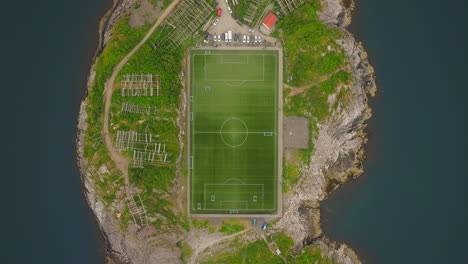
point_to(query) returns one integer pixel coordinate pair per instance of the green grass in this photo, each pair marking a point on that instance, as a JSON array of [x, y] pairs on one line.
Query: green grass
[[312, 57], [234, 101], [311, 254], [241, 9], [186, 251], [200, 224], [123, 39], [155, 182], [253, 253], [283, 242], [258, 252], [231, 226]]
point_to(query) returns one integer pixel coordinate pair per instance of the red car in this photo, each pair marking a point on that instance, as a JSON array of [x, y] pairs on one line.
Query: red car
[[219, 11]]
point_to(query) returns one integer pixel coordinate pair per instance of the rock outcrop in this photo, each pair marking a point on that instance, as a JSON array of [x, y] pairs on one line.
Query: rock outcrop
[[339, 145], [340, 253], [135, 244], [118, 10], [337, 158]]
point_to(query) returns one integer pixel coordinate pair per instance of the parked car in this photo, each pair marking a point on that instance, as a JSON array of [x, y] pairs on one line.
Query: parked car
[[229, 10], [264, 226], [215, 22], [223, 37], [250, 30], [252, 39], [244, 39], [254, 222], [210, 38], [219, 12]]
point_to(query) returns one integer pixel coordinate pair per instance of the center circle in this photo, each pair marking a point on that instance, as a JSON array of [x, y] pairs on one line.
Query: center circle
[[234, 132]]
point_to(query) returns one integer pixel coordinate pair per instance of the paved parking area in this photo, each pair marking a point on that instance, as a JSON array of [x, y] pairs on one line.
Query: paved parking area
[[227, 22]]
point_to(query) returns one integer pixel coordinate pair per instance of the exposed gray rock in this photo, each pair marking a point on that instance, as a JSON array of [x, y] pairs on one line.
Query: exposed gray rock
[[118, 10], [339, 145], [135, 244], [337, 157], [148, 12], [338, 252]]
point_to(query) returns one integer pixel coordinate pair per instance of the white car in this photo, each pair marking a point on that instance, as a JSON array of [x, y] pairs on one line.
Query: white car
[[256, 39], [215, 22], [244, 39], [229, 10], [250, 30]]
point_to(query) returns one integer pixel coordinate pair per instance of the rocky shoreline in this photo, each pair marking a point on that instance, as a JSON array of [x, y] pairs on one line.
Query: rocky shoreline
[[107, 225], [339, 147], [337, 159]]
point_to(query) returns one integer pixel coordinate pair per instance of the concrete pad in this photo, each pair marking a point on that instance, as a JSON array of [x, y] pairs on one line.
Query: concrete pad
[[296, 132]]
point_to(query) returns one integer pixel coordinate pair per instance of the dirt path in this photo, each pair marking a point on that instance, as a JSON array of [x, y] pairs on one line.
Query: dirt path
[[120, 160], [214, 242], [273, 252], [298, 90]]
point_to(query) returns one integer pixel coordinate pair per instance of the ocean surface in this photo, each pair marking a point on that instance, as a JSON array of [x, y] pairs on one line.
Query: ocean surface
[[411, 205], [46, 48]]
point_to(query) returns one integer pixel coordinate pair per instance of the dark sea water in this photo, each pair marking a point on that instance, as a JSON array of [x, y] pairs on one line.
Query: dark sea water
[[411, 205], [46, 49]]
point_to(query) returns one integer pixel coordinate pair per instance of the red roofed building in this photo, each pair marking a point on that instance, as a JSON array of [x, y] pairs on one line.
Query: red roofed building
[[268, 23]]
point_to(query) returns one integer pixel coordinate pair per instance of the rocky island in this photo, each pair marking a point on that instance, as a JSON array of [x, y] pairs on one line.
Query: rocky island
[[134, 142]]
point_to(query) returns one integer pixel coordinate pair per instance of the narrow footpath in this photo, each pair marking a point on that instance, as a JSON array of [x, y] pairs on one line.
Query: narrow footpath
[[120, 160]]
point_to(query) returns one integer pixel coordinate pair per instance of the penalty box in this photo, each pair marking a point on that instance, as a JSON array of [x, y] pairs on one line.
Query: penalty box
[[224, 196]]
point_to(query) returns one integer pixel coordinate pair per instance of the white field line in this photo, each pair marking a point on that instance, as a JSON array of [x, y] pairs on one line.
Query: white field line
[[214, 132], [246, 202], [222, 62], [220, 54]]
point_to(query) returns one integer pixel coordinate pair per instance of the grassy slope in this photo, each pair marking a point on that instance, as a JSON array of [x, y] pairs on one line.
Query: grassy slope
[[168, 64], [312, 57], [258, 252], [146, 60], [231, 226], [124, 38]]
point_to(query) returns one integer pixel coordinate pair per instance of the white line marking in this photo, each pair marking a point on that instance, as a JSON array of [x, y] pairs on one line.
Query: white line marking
[[276, 123], [235, 179]]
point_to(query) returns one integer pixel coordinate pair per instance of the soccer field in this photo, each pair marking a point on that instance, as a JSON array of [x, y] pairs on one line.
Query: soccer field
[[233, 159]]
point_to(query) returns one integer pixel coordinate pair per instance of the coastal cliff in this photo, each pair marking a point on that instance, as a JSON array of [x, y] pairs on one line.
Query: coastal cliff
[[339, 147], [337, 157], [122, 245]]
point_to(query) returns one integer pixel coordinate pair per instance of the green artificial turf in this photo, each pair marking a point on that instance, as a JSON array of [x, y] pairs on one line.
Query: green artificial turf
[[233, 131]]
